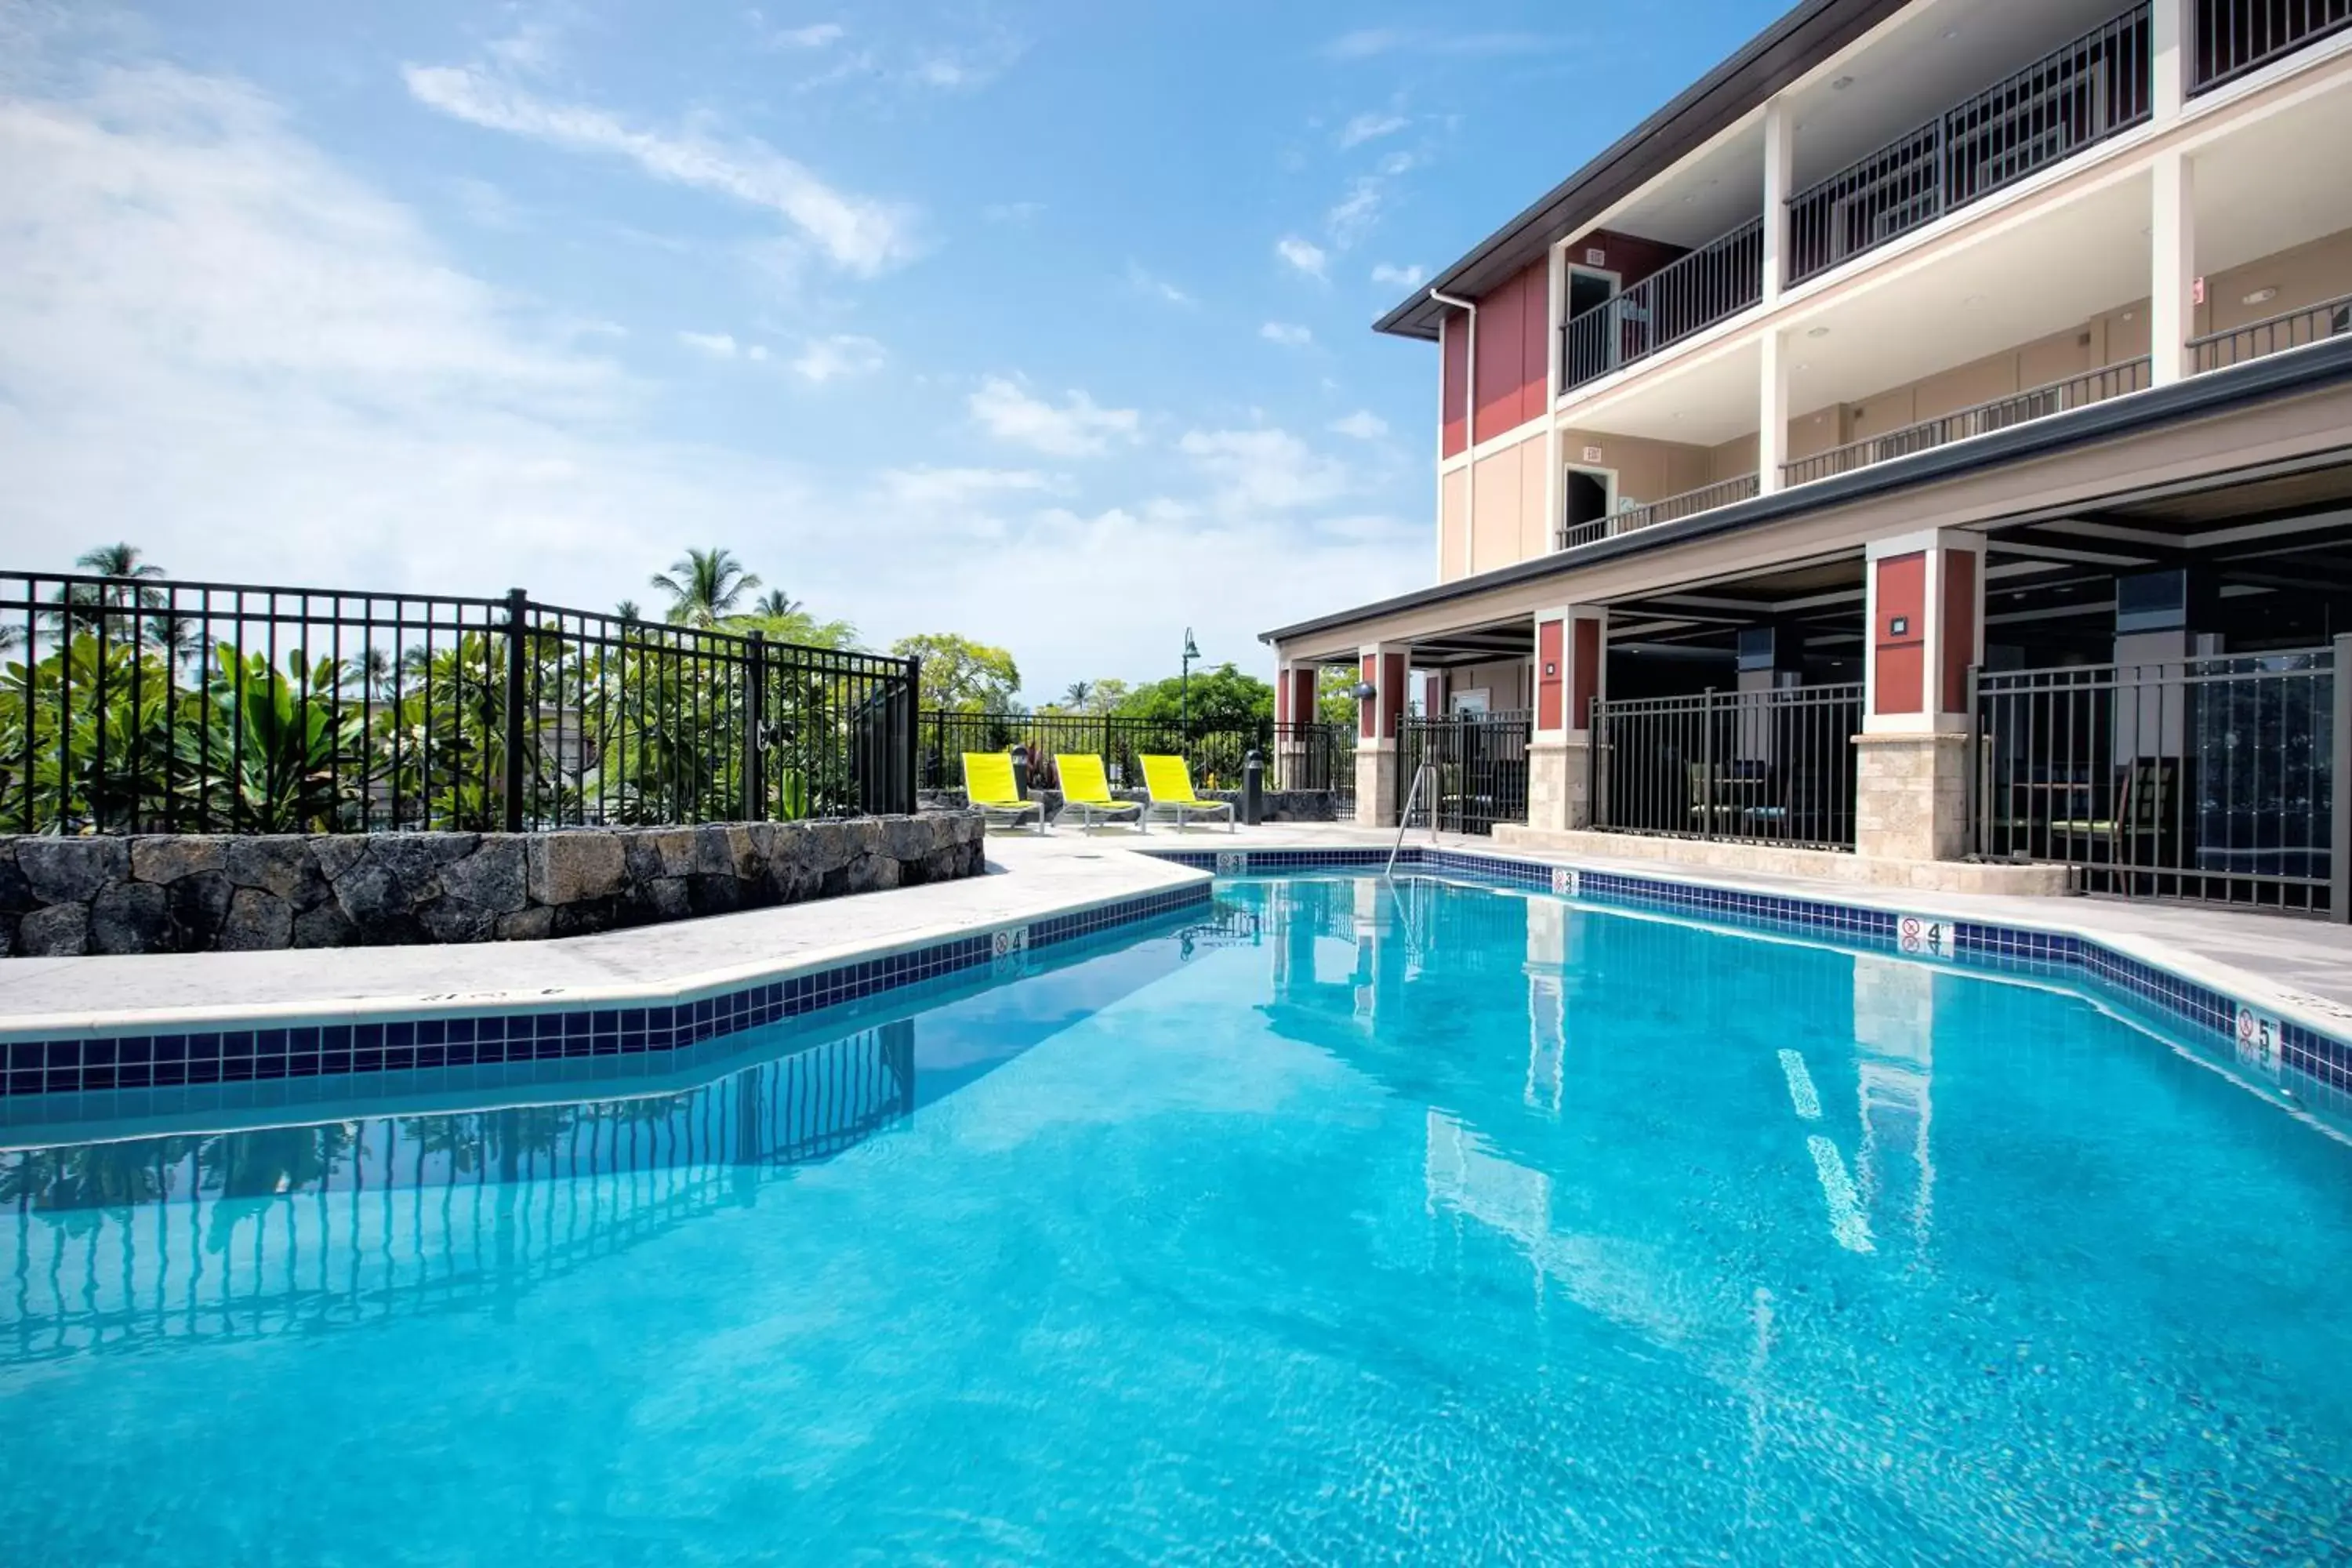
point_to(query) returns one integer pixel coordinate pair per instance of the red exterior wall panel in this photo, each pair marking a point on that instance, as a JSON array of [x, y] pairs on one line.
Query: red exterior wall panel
[[1959, 626], [1587, 688], [1899, 635], [1454, 388], [1548, 675]]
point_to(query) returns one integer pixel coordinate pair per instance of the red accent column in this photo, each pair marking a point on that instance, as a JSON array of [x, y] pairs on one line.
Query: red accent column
[[1551, 674], [1898, 634]]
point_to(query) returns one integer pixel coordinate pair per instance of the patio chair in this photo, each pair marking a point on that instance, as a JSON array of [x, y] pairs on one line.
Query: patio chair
[[988, 784], [1169, 783], [2143, 797], [1705, 815], [1086, 789]]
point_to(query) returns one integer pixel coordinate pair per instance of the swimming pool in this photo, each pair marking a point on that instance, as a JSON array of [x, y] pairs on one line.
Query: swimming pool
[[1351, 1221]]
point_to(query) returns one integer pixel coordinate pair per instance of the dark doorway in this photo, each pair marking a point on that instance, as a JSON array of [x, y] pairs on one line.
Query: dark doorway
[[1587, 517], [1587, 291]]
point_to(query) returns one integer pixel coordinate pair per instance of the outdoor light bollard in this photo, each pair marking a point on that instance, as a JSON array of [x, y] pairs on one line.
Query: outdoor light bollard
[[1253, 789], [1020, 772]]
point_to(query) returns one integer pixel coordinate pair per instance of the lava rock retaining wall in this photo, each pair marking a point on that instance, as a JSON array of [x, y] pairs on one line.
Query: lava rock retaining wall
[[195, 893]]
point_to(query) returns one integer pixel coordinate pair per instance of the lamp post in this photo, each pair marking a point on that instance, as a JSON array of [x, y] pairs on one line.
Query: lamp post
[[1184, 686]]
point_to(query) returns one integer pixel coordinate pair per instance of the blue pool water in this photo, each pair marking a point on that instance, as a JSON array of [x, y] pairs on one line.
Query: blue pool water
[[1350, 1225]]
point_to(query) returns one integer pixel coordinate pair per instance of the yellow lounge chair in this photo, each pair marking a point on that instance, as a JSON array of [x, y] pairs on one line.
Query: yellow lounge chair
[[988, 786], [1169, 783], [1087, 791]]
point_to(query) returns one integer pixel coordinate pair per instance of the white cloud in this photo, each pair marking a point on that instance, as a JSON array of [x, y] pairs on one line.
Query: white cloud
[[1365, 128], [1289, 335], [814, 35], [1012, 212], [1305, 255], [1370, 43], [1257, 472], [862, 235], [1395, 276], [317, 392], [1151, 286], [1363, 425], [1357, 211], [842, 355], [718, 346], [1077, 428], [956, 488]]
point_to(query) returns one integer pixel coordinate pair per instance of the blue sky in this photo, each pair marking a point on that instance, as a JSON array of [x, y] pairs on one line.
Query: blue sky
[[1044, 323]]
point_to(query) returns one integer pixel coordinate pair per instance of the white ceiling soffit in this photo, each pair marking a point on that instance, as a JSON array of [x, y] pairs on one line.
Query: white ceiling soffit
[[1930, 59], [2275, 183], [1704, 197]]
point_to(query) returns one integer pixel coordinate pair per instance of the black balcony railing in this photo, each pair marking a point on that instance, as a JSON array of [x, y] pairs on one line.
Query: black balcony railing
[[149, 705], [1757, 767], [1476, 770], [2213, 779], [2090, 90], [1633, 518], [1719, 279], [2234, 37], [2273, 334], [2038, 403]]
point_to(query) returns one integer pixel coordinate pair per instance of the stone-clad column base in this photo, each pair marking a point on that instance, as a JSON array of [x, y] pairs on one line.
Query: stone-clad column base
[[1911, 796], [1560, 783], [1376, 783]]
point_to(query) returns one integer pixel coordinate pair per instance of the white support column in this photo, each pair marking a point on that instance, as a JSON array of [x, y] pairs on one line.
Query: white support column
[[1778, 159], [1771, 414], [2172, 315], [2172, 28], [1556, 292]]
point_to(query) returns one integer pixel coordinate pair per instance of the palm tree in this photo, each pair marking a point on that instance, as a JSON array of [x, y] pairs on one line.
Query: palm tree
[[704, 586], [1076, 697], [120, 560], [627, 610], [775, 604]]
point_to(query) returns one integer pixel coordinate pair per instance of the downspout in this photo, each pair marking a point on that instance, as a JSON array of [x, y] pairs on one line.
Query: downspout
[[1469, 429]]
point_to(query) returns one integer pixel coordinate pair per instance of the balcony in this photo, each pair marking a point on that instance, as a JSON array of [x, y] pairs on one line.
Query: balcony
[[2038, 402], [2273, 334], [2070, 98], [1633, 519], [1718, 280], [2235, 36]]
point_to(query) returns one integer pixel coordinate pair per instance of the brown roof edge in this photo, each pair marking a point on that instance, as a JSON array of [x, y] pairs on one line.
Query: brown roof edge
[[1810, 33]]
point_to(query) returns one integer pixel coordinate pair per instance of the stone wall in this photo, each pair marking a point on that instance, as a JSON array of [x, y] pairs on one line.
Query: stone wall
[[190, 893], [1911, 796], [1280, 805]]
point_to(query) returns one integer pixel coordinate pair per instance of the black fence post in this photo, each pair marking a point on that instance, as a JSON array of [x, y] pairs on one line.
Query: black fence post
[[913, 697], [2339, 788], [755, 725], [517, 652]]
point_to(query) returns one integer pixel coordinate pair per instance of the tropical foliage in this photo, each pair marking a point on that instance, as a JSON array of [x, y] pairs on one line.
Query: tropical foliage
[[115, 716], [962, 676]]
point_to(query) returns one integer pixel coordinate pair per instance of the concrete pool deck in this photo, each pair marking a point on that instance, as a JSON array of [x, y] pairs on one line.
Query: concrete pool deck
[[2301, 967]]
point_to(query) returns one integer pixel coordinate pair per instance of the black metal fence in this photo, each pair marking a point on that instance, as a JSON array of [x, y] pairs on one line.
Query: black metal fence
[[2234, 37], [148, 705], [1719, 279], [2093, 88], [2212, 779], [1757, 767], [1477, 770], [2273, 334], [2036, 402], [1296, 756]]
